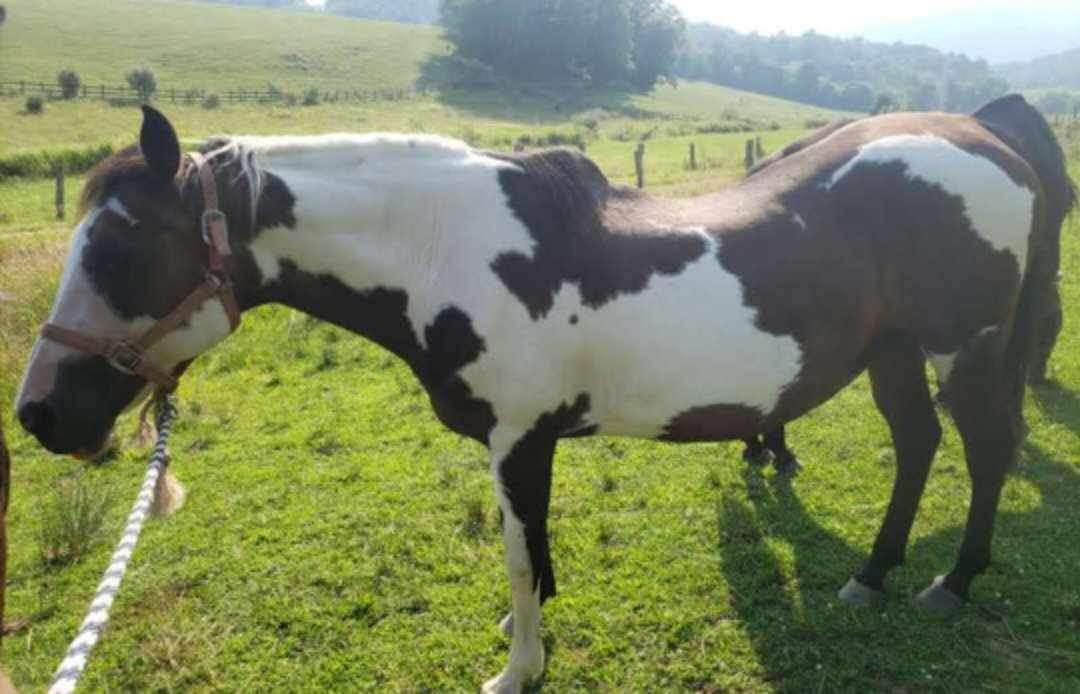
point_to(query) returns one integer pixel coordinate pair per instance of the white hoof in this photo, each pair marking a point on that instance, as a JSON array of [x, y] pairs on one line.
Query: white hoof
[[507, 624], [506, 683]]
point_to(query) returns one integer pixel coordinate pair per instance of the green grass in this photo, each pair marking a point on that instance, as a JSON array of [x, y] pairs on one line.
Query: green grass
[[191, 44], [336, 537]]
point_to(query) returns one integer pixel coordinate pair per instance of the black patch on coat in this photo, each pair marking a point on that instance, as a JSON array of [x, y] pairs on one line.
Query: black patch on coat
[[559, 196], [381, 316], [525, 474], [85, 403], [452, 344]]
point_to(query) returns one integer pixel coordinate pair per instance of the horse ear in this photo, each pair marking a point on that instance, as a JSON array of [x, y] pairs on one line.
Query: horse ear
[[159, 144]]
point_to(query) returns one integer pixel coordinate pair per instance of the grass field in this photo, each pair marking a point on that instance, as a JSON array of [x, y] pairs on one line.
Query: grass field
[[215, 47], [336, 537]]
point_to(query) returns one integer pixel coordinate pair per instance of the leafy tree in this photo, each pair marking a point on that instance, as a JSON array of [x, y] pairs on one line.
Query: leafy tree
[[69, 82], [143, 81], [886, 103], [585, 41]]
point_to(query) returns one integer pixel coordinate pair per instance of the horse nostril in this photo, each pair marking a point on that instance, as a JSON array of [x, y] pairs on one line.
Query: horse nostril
[[36, 418]]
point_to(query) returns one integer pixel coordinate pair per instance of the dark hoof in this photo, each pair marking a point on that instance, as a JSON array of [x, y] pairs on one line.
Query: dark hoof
[[758, 457], [938, 598], [859, 595], [788, 466]]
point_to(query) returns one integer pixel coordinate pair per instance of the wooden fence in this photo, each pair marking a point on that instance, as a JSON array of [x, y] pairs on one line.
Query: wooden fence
[[106, 92]]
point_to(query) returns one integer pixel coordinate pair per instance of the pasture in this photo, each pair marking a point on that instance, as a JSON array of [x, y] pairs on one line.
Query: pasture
[[337, 537]]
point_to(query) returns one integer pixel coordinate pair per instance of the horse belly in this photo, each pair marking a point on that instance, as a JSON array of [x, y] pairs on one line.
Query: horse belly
[[685, 343]]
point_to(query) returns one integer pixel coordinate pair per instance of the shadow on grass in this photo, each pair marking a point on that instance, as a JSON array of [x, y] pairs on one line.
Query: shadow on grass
[[784, 568], [504, 99], [1058, 403]]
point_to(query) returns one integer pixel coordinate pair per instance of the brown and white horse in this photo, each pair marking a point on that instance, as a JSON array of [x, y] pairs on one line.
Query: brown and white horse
[[534, 301]]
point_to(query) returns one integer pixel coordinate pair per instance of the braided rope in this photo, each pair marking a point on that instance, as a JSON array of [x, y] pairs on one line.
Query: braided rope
[[67, 675]]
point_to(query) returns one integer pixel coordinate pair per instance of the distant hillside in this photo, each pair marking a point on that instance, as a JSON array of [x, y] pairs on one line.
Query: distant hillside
[[852, 74], [1059, 71], [216, 47], [995, 30]]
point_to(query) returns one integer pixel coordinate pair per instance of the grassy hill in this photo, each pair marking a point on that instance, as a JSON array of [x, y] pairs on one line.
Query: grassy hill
[[215, 47]]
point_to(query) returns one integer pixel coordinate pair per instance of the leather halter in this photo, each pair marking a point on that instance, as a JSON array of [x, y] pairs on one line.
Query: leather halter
[[129, 356]]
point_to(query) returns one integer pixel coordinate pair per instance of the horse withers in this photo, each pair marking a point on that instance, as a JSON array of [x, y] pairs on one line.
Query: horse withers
[[535, 301]]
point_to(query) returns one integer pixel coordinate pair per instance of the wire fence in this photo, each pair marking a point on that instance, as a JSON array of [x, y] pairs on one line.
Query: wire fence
[[191, 95]]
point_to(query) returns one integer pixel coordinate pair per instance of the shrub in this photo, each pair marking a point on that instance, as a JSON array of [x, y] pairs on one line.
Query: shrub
[[35, 104], [143, 81], [289, 99], [311, 97], [69, 83], [3, 14], [72, 520], [43, 163], [211, 101]]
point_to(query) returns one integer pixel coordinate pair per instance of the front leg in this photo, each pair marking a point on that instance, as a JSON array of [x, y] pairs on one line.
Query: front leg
[[521, 467]]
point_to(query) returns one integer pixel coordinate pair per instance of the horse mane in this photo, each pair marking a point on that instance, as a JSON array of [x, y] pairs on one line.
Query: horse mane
[[232, 157]]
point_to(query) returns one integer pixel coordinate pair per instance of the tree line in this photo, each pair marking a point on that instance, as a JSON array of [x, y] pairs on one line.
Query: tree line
[[852, 74]]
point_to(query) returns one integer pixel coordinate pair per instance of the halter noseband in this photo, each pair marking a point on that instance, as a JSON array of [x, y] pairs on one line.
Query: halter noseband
[[129, 356]]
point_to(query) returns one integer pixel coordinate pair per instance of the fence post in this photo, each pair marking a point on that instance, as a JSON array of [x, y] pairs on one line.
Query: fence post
[[759, 151], [748, 160], [59, 191], [693, 157], [639, 164], [103, 92]]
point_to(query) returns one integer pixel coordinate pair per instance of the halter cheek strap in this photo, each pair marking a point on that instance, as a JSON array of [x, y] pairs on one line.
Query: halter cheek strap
[[129, 356]]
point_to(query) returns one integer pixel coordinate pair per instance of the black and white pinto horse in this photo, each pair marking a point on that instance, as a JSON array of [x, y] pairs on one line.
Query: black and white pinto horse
[[534, 301]]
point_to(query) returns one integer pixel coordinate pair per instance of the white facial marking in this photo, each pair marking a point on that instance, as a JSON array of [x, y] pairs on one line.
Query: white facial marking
[[797, 218], [1000, 211], [117, 207]]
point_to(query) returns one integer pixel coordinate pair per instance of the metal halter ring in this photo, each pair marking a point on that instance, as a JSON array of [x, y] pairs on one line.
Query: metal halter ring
[[125, 357]]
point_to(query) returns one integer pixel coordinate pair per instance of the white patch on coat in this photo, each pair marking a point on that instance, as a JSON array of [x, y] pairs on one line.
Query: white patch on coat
[[1000, 210], [430, 218], [797, 218]]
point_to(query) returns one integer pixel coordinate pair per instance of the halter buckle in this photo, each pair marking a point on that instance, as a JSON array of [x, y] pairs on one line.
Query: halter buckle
[[124, 357]]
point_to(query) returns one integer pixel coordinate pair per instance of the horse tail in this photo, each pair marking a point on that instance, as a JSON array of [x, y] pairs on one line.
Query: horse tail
[[1038, 313]]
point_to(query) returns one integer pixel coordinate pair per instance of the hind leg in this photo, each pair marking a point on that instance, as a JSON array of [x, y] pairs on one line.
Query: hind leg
[[783, 458], [1046, 335], [985, 401], [755, 452], [898, 377]]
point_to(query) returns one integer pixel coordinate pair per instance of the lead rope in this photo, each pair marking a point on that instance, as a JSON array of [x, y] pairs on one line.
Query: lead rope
[[67, 675]]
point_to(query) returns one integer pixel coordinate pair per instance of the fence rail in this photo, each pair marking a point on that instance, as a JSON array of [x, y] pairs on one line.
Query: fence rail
[[105, 92]]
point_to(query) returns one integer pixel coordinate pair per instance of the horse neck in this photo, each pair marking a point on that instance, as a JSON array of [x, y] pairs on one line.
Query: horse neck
[[372, 234]]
